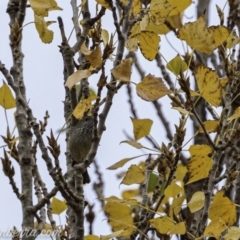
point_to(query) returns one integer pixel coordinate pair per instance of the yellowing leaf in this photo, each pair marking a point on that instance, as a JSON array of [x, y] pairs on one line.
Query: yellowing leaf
[[166, 225], [7, 100], [180, 172], [179, 6], [148, 43], [152, 88], [134, 175], [91, 237], [123, 71], [45, 34], [94, 57], [120, 163], [141, 127], [136, 7], [113, 199], [235, 115], [199, 164], [209, 85], [197, 201], [130, 193], [223, 208], [42, 7], [177, 65], [133, 143], [172, 190], [159, 10], [233, 233], [176, 205], [83, 107], [232, 40], [120, 217], [105, 36], [104, 3], [174, 21], [58, 206], [201, 38], [219, 33], [215, 228], [210, 126], [77, 77]]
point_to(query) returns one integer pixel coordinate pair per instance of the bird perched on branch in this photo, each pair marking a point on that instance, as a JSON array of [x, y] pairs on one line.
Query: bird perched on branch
[[80, 142]]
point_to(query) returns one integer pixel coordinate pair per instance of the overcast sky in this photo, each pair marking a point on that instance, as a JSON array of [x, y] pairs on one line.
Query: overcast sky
[[43, 77]]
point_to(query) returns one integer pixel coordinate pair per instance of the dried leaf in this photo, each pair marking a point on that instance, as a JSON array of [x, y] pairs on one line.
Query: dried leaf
[[152, 88], [123, 71], [77, 77], [199, 164]]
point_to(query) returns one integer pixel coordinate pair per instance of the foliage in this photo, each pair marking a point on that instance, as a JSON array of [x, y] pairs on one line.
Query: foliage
[[194, 197]]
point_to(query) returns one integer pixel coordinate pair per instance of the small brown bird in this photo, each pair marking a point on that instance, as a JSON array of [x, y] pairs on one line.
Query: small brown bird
[[80, 142]]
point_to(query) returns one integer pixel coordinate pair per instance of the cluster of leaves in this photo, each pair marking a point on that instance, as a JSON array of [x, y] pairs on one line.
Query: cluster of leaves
[[161, 203]]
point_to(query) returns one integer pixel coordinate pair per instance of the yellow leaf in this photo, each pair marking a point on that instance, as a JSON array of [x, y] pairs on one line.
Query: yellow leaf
[[42, 7], [130, 193], [120, 217], [7, 100], [233, 233], [159, 10], [235, 115], [134, 175], [133, 143], [152, 88], [123, 71], [176, 205], [222, 207], [197, 201], [172, 190], [45, 34], [219, 33], [194, 94], [199, 164], [141, 127], [91, 237], [120, 163], [94, 57], [180, 172], [210, 126], [201, 38], [209, 85], [177, 65], [174, 21], [113, 199], [136, 7], [232, 40], [148, 43], [77, 77], [104, 4], [215, 228], [166, 225], [58, 206], [179, 6], [105, 36], [83, 107]]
